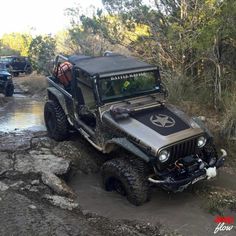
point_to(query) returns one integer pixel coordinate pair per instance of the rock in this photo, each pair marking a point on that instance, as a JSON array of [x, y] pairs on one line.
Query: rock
[[11, 142], [6, 164], [202, 118], [62, 202], [17, 184], [33, 207], [45, 142], [56, 184], [81, 153], [67, 149], [33, 189], [3, 187], [35, 182], [37, 163]]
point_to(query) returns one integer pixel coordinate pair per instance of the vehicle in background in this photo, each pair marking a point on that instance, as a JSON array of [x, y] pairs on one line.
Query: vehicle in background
[[17, 64], [6, 84]]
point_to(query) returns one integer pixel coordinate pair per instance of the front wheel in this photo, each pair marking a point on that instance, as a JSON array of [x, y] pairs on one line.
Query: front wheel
[[122, 176], [9, 90], [16, 74], [56, 121]]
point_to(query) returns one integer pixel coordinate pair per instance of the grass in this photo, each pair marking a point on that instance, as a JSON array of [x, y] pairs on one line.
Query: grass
[[195, 99], [217, 202], [229, 122], [33, 84]]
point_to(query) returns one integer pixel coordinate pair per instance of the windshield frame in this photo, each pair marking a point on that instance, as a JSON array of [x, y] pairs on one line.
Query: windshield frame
[[6, 59], [121, 98]]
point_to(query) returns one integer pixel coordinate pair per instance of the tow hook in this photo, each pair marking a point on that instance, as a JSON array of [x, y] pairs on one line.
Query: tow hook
[[221, 160]]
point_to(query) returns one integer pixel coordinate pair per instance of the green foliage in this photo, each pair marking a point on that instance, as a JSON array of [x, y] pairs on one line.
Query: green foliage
[[42, 52], [16, 43], [64, 45], [188, 39]]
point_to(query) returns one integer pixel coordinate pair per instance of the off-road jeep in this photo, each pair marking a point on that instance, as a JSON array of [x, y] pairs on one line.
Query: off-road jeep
[[6, 84], [119, 103], [17, 65]]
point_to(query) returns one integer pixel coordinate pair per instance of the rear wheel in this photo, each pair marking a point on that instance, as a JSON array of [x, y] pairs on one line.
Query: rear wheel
[[16, 74], [9, 90], [122, 176], [28, 70], [56, 121]]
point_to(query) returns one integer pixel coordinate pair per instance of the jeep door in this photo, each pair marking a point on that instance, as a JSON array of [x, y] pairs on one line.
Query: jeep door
[[86, 100]]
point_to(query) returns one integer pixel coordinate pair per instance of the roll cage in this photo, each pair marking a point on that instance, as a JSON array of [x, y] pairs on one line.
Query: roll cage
[[88, 71]]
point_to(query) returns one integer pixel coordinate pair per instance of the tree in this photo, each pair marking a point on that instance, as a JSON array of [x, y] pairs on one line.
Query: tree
[[186, 38], [191, 40], [42, 52], [17, 42]]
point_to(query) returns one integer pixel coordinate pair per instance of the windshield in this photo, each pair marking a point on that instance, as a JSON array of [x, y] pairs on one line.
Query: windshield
[[6, 59], [129, 85]]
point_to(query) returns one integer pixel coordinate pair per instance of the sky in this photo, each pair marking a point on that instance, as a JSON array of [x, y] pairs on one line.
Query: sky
[[43, 16]]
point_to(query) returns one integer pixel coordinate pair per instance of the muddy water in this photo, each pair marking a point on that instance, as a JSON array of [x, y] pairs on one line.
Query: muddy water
[[181, 212], [22, 113]]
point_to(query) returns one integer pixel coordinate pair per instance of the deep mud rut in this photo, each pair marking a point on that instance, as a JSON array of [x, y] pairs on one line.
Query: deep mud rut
[[50, 188]]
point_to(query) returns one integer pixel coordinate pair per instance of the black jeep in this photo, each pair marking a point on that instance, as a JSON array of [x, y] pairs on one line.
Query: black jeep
[[119, 102], [17, 64], [6, 84]]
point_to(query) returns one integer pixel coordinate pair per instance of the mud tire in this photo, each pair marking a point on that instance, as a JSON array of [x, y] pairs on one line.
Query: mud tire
[[55, 121], [9, 90], [135, 184], [28, 70], [16, 74]]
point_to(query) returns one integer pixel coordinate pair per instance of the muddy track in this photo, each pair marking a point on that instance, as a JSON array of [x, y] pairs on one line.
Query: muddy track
[[35, 200], [51, 188]]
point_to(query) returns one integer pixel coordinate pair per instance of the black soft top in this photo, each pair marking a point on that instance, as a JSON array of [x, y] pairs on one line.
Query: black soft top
[[109, 65]]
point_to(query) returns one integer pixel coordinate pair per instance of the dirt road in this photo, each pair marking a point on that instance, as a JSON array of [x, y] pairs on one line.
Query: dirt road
[[50, 188]]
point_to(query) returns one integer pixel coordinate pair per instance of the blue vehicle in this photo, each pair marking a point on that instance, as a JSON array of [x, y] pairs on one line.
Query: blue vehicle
[[6, 84]]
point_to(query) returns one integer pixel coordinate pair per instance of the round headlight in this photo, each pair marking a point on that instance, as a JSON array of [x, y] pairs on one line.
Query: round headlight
[[201, 141], [9, 77], [164, 156]]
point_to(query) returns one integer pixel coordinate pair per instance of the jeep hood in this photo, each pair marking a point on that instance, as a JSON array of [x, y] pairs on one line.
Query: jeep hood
[[4, 73], [156, 128]]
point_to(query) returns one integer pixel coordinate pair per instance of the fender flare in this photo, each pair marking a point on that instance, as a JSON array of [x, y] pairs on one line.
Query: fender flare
[[53, 94], [127, 145]]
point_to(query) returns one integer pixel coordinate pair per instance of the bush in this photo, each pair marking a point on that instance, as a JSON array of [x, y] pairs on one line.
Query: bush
[[229, 117], [33, 84]]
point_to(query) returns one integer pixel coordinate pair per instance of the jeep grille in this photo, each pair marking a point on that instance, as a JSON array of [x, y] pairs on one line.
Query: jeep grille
[[183, 149]]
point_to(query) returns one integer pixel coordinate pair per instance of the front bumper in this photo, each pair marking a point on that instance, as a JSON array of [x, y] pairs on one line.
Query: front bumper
[[178, 185]]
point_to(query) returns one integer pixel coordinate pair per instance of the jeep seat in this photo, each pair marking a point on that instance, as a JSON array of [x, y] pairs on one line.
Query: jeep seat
[[86, 110]]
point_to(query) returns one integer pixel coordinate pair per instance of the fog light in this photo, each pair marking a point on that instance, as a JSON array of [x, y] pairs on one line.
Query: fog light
[[164, 156], [201, 141]]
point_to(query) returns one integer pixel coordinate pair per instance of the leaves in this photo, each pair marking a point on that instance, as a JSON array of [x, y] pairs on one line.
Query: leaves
[[16, 43], [42, 51]]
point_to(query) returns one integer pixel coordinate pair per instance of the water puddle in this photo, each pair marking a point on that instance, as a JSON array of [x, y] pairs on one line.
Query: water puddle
[[22, 113], [181, 212]]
